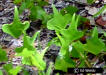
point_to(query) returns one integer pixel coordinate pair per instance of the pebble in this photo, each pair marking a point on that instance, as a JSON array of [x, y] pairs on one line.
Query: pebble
[[16, 61], [87, 7], [81, 1], [97, 1], [92, 10], [60, 4], [104, 1], [92, 21], [16, 42]]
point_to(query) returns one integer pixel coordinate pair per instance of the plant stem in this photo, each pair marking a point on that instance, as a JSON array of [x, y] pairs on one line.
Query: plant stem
[[86, 61]]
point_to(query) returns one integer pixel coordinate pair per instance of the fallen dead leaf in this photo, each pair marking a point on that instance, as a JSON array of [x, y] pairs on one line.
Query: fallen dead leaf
[[100, 21]]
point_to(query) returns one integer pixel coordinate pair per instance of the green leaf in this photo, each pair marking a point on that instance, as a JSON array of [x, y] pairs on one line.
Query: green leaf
[[15, 71], [58, 21], [28, 42], [3, 55], [72, 33], [71, 9], [8, 67], [16, 28], [38, 61], [26, 4], [69, 35], [74, 53], [25, 53], [82, 55], [64, 62], [94, 44], [25, 72], [38, 13], [79, 47], [22, 7], [33, 58], [1, 72], [30, 54]]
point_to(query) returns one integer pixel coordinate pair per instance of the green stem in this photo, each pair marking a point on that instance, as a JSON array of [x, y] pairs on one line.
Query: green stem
[[86, 61]]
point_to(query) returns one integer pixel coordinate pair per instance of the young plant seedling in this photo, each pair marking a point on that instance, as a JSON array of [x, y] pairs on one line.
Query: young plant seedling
[[16, 28]]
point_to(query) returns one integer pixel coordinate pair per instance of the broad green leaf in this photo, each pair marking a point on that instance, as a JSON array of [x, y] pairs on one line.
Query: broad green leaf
[[15, 71], [28, 42], [3, 55], [74, 53], [25, 72], [63, 63], [25, 53], [101, 11], [94, 44], [16, 28], [33, 58], [26, 4], [79, 47], [8, 67], [72, 33], [30, 54], [58, 21], [27, 60], [1, 72], [38, 13], [71, 9], [38, 61], [82, 55], [69, 35], [22, 7]]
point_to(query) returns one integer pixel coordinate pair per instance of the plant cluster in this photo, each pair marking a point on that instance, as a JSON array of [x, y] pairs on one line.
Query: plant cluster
[[65, 23]]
